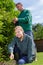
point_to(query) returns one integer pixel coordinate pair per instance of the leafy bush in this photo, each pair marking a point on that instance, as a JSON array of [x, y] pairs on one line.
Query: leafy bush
[[38, 31], [7, 13]]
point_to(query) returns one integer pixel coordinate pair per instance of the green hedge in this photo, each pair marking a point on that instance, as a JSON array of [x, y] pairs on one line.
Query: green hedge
[[7, 13]]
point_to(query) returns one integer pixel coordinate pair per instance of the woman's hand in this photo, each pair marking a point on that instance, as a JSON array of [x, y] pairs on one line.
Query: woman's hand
[[12, 56]]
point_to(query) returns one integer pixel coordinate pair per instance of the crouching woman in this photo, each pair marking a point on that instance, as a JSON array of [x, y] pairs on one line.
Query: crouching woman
[[22, 48]]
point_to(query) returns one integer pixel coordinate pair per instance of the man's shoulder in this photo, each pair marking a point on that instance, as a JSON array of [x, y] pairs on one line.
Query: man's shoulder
[[26, 10]]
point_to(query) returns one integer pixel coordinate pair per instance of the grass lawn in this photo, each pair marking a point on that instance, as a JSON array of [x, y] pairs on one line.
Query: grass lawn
[[39, 59], [38, 62]]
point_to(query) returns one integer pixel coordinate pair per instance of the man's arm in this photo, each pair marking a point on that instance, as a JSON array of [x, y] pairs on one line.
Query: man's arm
[[27, 17]]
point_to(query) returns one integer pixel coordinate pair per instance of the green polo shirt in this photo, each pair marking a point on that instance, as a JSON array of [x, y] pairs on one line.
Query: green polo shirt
[[25, 20]]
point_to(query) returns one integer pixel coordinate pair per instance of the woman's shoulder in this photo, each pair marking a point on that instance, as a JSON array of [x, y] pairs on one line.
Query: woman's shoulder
[[27, 36]]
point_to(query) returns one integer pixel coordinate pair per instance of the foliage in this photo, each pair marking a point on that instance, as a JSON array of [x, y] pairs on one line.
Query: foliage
[[38, 31], [7, 14]]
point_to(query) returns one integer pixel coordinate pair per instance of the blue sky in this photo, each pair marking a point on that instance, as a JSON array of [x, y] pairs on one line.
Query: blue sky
[[36, 8]]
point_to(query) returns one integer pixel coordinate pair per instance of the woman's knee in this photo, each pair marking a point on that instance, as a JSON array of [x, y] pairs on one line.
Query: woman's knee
[[21, 61]]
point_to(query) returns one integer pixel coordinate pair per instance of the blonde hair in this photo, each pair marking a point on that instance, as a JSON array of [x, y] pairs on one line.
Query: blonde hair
[[19, 28]]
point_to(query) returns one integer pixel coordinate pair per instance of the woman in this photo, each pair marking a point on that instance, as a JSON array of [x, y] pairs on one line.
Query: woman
[[22, 46]]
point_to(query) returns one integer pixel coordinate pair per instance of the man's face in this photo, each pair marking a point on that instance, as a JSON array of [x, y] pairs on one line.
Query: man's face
[[19, 7], [19, 33]]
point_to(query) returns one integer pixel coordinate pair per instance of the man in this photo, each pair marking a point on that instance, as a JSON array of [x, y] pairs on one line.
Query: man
[[23, 42], [24, 19]]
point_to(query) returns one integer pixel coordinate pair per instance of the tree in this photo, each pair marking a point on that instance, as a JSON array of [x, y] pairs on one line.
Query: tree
[[7, 13], [38, 31]]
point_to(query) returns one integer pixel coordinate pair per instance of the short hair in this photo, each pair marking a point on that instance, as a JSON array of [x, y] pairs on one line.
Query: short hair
[[19, 3], [19, 27]]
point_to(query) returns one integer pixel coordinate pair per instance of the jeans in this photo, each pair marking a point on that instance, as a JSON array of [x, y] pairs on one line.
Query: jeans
[[29, 32]]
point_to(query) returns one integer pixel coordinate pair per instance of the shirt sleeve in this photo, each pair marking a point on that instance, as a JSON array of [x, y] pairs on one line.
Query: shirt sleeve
[[11, 46], [27, 17]]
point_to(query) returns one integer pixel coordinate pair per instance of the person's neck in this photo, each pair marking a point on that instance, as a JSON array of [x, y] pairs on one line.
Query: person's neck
[[22, 9], [21, 38]]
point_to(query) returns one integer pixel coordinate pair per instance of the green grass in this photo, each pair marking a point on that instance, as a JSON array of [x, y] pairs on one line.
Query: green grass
[[39, 59], [38, 62]]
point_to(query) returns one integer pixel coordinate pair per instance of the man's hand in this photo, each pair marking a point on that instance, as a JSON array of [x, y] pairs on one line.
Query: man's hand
[[15, 20], [12, 56]]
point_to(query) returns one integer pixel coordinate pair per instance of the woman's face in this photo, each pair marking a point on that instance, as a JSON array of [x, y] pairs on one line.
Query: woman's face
[[18, 33]]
